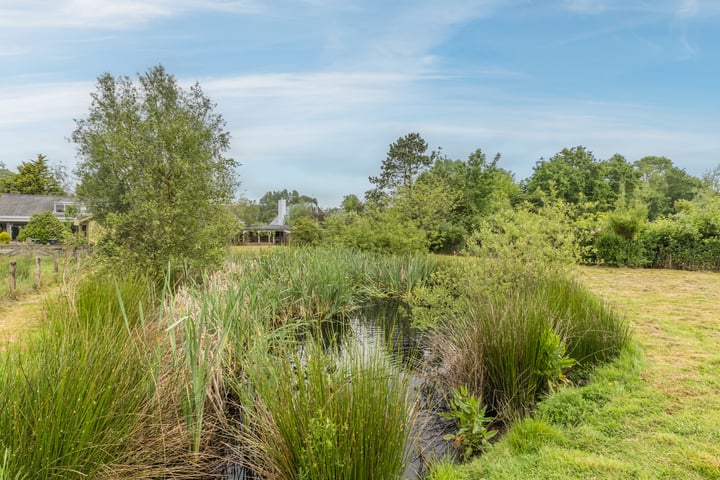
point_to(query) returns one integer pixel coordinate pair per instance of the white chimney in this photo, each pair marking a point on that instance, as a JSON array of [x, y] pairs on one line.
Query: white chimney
[[282, 213]]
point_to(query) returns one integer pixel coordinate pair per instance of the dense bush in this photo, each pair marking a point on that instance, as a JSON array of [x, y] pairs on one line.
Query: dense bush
[[305, 231], [688, 240], [5, 238], [44, 227], [381, 231]]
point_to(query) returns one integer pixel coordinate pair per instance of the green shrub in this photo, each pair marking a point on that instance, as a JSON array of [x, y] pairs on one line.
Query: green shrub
[[5, 238], [687, 240], [610, 248], [305, 231], [380, 231], [533, 239], [44, 227]]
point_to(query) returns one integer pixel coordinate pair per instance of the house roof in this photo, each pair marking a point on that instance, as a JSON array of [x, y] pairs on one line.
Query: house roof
[[15, 207], [267, 228]]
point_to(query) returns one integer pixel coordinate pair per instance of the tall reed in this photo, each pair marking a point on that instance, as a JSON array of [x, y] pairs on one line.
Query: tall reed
[[322, 415], [201, 318], [75, 396]]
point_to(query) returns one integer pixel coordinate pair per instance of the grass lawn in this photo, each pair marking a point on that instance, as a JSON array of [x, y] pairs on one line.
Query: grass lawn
[[652, 414]]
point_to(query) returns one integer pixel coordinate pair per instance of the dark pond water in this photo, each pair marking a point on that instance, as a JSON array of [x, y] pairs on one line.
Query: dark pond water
[[389, 324]]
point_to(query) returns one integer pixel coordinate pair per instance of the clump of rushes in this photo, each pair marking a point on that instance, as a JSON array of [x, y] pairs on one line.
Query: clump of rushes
[[319, 284], [321, 415], [75, 396], [512, 346]]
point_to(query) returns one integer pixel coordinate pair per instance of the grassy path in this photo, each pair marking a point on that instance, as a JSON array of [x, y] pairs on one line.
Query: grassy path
[[654, 414], [18, 317]]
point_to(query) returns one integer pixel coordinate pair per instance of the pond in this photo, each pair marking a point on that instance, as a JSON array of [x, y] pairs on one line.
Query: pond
[[389, 324]]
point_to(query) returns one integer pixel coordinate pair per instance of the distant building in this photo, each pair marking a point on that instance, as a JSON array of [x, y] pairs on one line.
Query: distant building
[[277, 232], [16, 210]]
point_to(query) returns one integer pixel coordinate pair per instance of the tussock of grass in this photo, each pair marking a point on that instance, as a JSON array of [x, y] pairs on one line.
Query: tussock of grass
[[71, 402], [512, 346], [323, 415]]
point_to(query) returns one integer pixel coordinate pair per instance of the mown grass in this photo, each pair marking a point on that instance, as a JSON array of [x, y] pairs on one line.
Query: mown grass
[[652, 413]]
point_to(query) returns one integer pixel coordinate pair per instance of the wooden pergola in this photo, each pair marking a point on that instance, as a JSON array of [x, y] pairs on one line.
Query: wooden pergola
[[266, 235]]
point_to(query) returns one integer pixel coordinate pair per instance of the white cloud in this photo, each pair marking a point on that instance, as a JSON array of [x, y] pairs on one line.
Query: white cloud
[[105, 14], [585, 6], [688, 8], [28, 104]]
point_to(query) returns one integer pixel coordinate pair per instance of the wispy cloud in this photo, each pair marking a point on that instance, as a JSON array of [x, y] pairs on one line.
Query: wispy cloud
[[102, 14], [688, 8], [585, 6], [39, 102]]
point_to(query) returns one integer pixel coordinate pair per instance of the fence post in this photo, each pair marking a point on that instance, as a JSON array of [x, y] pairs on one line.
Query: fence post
[[13, 265], [55, 264], [37, 272]]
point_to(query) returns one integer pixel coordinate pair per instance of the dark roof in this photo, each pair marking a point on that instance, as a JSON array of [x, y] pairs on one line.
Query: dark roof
[[267, 228], [17, 206]]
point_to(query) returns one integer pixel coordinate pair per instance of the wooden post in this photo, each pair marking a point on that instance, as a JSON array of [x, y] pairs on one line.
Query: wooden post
[[55, 264], [13, 265], [37, 272]]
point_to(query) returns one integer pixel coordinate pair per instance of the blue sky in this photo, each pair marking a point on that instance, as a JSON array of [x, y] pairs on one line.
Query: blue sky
[[314, 91]]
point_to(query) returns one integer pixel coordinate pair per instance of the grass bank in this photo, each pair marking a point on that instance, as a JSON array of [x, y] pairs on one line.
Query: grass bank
[[653, 413]]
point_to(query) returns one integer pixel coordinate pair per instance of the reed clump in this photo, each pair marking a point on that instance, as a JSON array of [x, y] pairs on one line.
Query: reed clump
[[515, 340], [326, 414]]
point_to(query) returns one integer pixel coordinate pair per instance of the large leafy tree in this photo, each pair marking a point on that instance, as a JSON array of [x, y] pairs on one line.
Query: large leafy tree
[[153, 169], [663, 184], [6, 177], [35, 177], [622, 178], [405, 160], [573, 175]]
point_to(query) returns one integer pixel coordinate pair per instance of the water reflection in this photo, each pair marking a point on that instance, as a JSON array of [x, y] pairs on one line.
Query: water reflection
[[385, 323], [388, 324]]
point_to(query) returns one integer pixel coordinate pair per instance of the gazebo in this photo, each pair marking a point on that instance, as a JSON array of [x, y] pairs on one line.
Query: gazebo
[[274, 233]]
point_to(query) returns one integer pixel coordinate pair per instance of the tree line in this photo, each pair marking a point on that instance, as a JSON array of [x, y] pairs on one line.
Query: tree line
[[154, 172], [649, 212]]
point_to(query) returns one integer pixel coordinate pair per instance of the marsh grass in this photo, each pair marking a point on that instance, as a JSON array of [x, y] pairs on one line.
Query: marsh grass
[[320, 284], [74, 396], [319, 414], [95, 393], [513, 345]]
